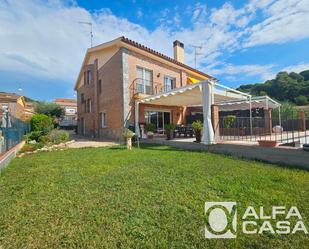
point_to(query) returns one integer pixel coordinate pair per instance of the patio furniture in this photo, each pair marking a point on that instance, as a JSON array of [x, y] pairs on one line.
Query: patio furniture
[[185, 130]]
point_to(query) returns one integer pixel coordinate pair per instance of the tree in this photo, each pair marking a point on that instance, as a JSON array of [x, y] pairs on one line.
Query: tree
[[285, 86], [50, 109], [305, 74], [296, 76]]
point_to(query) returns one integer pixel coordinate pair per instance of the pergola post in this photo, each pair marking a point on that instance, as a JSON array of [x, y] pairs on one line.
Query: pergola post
[[207, 101], [136, 118], [250, 115]]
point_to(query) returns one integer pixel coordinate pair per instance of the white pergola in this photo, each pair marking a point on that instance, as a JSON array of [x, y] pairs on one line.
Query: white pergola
[[205, 93], [256, 102]]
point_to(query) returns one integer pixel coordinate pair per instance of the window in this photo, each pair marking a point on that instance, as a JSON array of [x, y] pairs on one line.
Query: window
[[88, 105], [87, 77], [144, 81], [169, 83], [100, 86], [103, 119], [82, 98]]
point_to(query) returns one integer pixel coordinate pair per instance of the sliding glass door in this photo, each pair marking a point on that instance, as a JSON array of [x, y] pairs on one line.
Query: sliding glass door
[[158, 118]]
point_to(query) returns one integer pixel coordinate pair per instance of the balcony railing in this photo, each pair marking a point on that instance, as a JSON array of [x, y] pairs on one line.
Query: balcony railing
[[143, 86]]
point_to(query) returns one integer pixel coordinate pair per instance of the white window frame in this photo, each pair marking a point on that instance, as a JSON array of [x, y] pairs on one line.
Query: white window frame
[[145, 82], [103, 119], [173, 80]]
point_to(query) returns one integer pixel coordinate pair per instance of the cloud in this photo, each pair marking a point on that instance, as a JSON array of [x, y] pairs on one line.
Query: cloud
[[46, 40], [287, 20], [296, 68], [265, 72]]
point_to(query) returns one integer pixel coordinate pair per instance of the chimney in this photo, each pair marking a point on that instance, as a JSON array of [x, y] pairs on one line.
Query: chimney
[[179, 51]]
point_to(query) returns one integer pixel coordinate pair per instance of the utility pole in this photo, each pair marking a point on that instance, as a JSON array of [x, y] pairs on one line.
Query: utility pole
[[91, 33], [196, 53]]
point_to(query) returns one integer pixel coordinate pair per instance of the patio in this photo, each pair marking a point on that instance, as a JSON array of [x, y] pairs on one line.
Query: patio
[[210, 100], [206, 94]]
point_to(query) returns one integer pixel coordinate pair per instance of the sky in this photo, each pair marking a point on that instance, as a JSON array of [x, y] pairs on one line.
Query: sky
[[42, 43]]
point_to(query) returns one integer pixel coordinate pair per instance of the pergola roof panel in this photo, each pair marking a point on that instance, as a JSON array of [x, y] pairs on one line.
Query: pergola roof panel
[[190, 95]]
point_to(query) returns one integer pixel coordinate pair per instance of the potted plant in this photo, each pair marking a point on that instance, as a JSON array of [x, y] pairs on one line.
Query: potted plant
[[169, 129], [197, 126], [150, 128], [128, 134]]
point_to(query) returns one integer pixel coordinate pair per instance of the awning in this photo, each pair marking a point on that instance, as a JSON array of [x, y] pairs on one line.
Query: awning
[[191, 80]]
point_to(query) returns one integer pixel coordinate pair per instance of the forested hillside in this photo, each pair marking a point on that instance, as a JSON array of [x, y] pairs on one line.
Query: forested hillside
[[293, 87]]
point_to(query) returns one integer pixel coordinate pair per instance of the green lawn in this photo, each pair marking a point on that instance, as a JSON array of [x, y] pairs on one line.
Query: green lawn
[[145, 198]]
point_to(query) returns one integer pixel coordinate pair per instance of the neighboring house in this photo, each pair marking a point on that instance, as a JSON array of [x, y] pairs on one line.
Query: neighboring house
[[115, 73], [70, 112], [29, 110], [15, 104]]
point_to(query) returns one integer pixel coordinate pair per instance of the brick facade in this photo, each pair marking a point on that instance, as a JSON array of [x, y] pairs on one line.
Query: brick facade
[[116, 100]]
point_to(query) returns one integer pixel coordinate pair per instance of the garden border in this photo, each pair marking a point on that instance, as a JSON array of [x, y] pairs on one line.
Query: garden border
[[6, 158]]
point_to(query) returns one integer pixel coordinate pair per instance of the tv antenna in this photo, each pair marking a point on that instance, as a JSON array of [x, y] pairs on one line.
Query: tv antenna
[[20, 90], [196, 53], [91, 33]]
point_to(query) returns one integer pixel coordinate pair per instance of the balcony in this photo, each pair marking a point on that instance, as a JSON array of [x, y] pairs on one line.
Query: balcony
[[142, 88]]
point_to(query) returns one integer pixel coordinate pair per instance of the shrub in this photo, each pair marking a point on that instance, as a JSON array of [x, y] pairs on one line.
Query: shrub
[[44, 139], [34, 135], [150, 127], [42, 123], [57, 136], [169, 127], [288, 111], [228, 121], [128, 133], [197, 125], [30, 147]]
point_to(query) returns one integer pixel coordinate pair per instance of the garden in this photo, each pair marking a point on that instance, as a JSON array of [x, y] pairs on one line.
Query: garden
[[43, 133], [152, 197]]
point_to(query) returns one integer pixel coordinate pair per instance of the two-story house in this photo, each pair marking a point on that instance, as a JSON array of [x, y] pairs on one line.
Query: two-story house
[[115, 73]]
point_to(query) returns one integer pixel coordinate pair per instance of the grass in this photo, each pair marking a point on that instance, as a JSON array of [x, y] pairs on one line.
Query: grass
[[148, 198]]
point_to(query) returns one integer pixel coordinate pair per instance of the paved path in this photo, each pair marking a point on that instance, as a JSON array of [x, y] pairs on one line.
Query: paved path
[[290, 157], [82, 142], [89, 143]]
